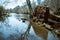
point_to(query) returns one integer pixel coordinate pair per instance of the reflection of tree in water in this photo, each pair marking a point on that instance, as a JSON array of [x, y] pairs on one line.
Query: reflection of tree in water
[[40, 31], [1, 36], [13, 37]]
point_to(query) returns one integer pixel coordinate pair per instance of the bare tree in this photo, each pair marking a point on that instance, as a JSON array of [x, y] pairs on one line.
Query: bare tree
[[38, 2], [29, 5]]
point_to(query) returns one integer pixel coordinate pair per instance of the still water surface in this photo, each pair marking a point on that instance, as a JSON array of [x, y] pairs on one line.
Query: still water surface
[[12, 28]]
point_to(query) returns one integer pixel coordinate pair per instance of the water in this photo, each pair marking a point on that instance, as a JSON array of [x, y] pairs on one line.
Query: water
[[12, 28]]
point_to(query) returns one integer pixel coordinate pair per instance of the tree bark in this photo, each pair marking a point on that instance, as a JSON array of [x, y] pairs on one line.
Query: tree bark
[[29, 5]]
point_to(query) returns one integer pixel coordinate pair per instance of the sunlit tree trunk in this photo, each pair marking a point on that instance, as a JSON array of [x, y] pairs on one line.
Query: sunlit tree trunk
[[29, 5]]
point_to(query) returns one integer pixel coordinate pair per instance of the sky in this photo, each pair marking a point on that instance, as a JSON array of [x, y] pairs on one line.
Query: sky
[[13, 3]]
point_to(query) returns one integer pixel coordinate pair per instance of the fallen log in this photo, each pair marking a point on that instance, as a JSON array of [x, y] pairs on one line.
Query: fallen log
[[54, 17]]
